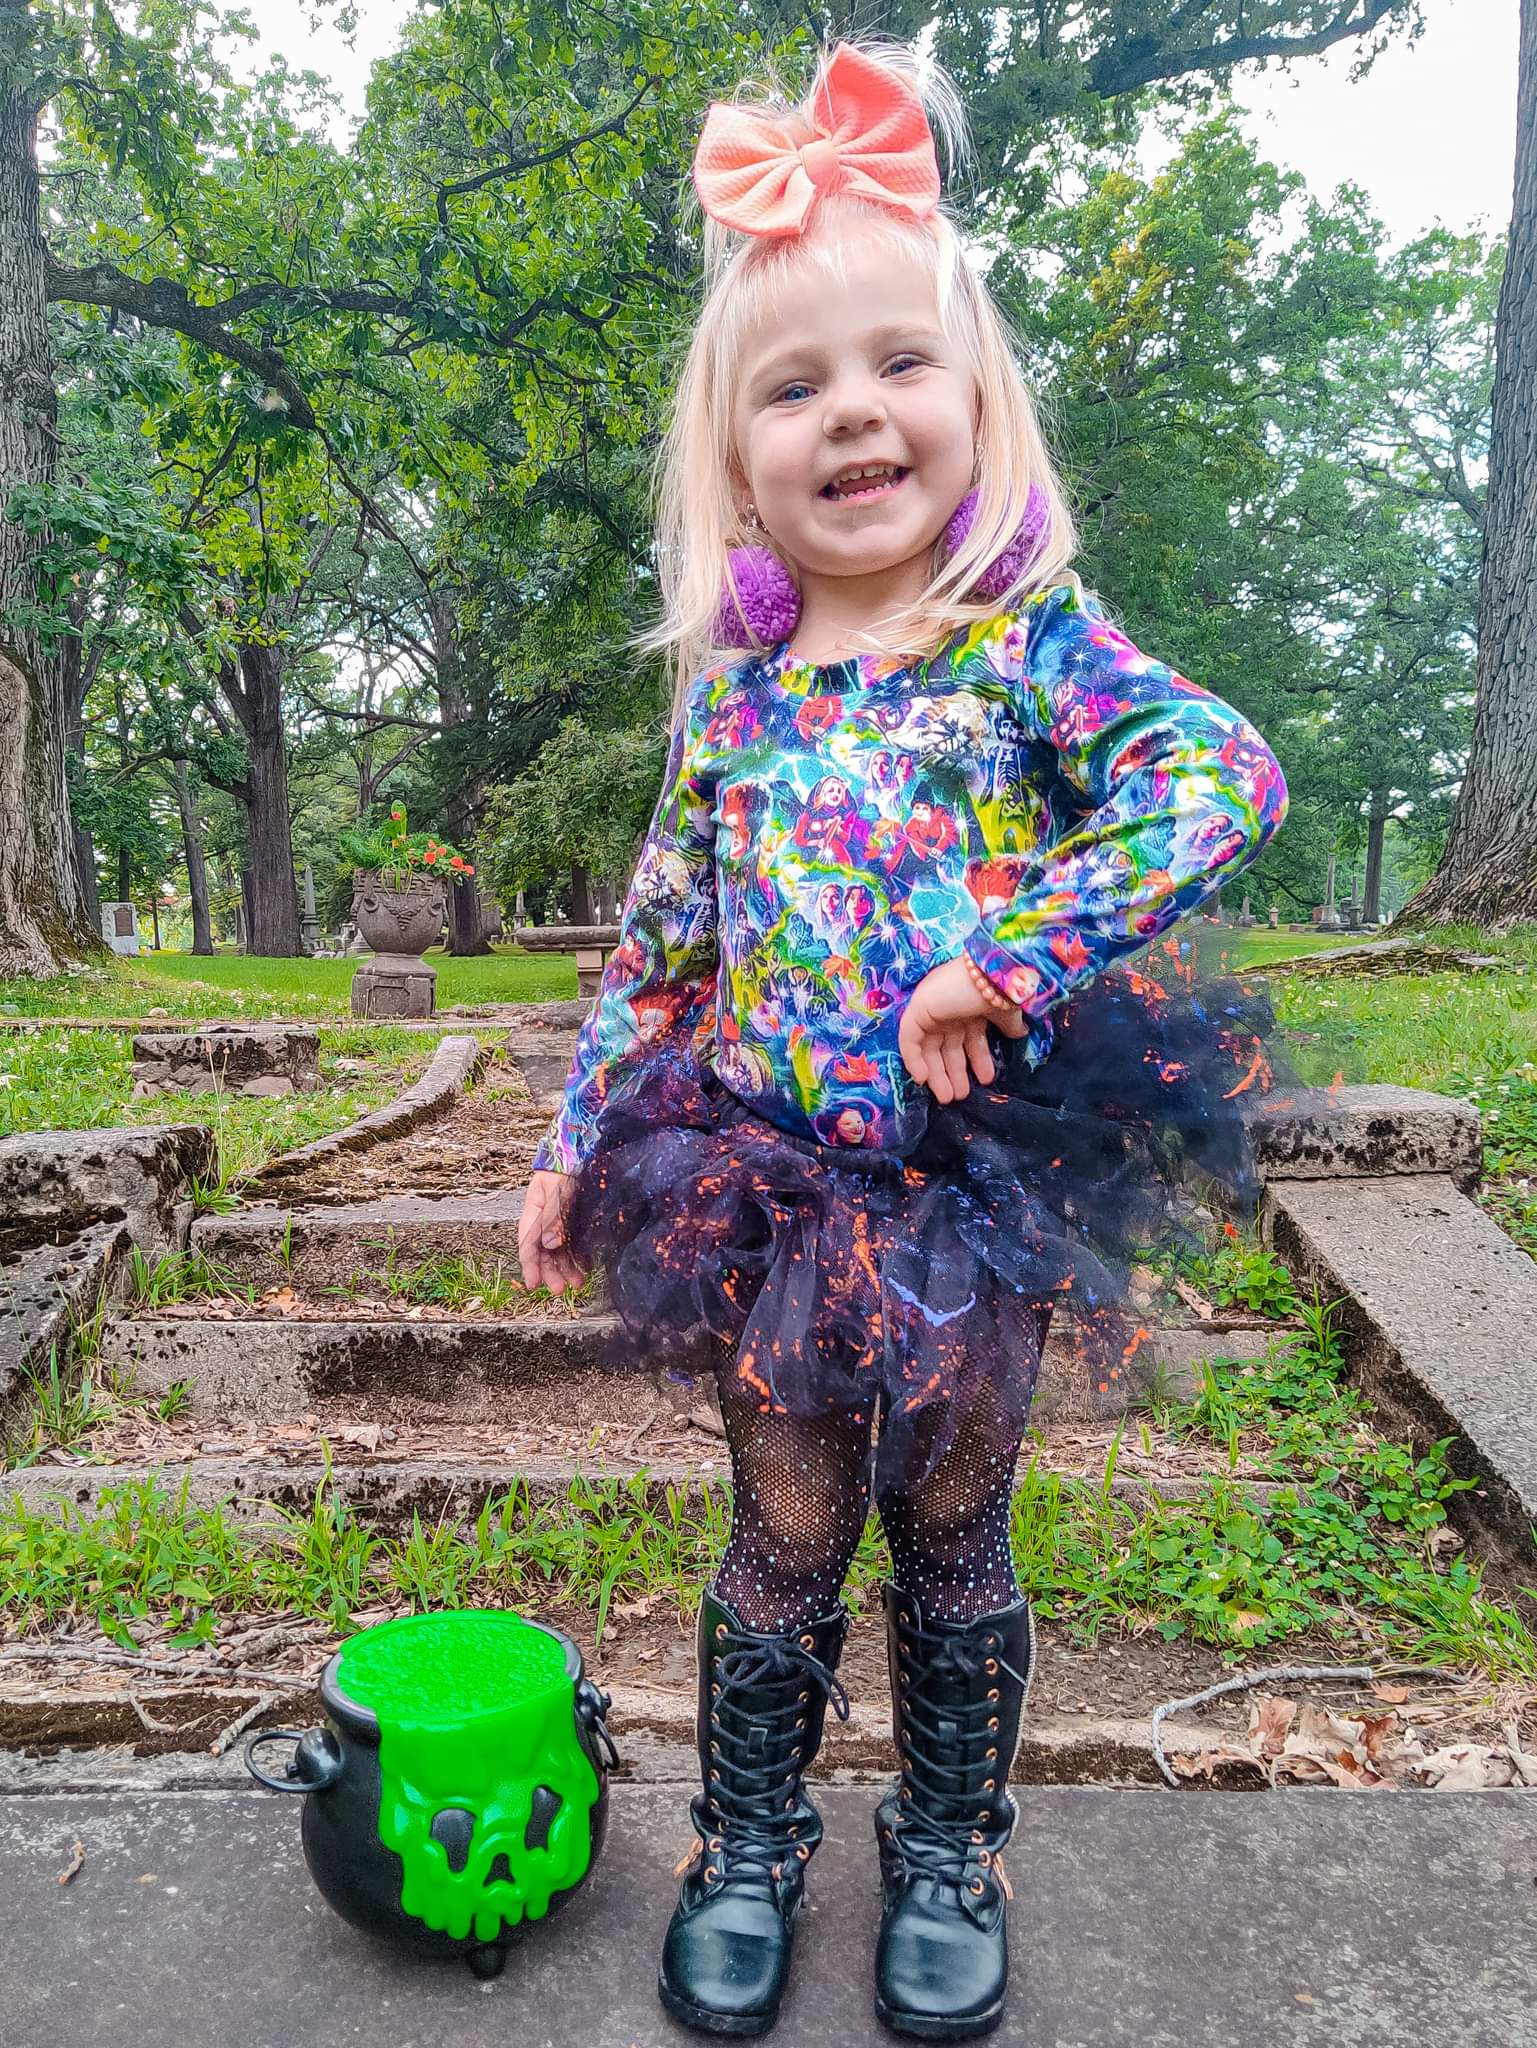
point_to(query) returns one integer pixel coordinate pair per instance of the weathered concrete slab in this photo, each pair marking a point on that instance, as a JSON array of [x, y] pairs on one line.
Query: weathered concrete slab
[[322, 1241], [1367, 1132], [46, 1291], [136, 1176], [465, 1371], [485, 1370], [1440, 1317], [247, 1059], [1141, 1920]]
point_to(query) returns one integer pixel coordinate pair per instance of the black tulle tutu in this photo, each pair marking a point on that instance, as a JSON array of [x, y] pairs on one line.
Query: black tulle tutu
[[831, 1280]]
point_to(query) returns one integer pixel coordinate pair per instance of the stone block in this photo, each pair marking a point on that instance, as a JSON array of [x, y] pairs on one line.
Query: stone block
[[394, 985], [73, 1178], [228, 1057], [269, 1084], [1366, 1133]]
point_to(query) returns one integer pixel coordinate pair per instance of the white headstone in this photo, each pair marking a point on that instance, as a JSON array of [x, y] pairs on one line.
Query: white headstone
[[120, 927]]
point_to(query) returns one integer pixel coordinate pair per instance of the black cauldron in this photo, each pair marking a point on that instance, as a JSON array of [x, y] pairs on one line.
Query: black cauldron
[[465, 1795]]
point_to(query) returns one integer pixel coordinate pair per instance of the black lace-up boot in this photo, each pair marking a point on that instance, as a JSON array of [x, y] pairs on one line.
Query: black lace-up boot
[[958, 1690], [762, 1700]]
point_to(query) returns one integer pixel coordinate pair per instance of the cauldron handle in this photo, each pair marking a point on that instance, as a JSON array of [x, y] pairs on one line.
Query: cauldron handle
[[591, 1710], [315, 1763]]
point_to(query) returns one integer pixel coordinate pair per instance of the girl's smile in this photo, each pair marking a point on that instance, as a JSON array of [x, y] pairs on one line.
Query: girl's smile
[[857, 486]]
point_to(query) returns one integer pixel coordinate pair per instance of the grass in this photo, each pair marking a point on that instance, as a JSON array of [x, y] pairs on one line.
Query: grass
[[1351, 1548], [452, 1281], [234, 985], [74, 1080], [1471, 1035]]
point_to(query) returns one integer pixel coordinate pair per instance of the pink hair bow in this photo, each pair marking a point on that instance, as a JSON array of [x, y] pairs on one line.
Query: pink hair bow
[[762, 174]]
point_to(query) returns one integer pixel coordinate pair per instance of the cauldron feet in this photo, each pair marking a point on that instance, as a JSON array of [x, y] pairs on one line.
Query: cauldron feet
[[487, 1962]]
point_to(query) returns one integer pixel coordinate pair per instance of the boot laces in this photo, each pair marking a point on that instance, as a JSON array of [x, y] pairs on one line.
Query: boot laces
[[756, 1754], [938, 1830]]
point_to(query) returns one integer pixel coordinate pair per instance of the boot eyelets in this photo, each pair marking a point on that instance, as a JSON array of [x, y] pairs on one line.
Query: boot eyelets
[[978, 1888], [716, 1842], [779, 1871], [989, 1785], [905, 1619], [808, 1642], [992, 1756], [992, 1692], [904, 1793], [992, 1664], [803, 1852], [993, 1723], [720, 1630], [803, 1697], [710, 1873], [976, 1834]]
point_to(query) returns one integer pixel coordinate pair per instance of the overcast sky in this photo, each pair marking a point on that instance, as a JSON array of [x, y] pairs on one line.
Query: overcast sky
[[1430, 133]]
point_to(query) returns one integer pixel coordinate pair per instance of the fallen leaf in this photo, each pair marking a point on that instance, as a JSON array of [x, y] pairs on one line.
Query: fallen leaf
[[1188, 1295], [1394, 1695], [76, 1862], [1467, 1767], [1270, 1721]]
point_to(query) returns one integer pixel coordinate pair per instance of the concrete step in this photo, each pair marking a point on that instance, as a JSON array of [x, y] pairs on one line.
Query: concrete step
[[1139, 1918], [520, 1367], [313, 1246], [387, 1491]]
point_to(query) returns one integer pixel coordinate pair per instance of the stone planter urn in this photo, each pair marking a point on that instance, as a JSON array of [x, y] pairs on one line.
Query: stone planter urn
[[400, 923]]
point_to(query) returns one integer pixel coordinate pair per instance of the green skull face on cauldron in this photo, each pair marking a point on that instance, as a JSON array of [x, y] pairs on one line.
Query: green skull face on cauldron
[[486, 1793]]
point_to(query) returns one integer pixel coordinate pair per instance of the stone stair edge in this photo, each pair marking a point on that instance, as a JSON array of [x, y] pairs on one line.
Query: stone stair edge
[[388, 1488]]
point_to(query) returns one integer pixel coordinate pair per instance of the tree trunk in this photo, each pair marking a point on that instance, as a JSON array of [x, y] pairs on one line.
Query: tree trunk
[[197, 868], [1488, 872], [465, 934], [1376, 832], [581, 895], [272, 900], [42, 917]]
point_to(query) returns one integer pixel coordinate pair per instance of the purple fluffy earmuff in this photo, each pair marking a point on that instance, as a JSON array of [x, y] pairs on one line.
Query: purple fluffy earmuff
[[766, 607]]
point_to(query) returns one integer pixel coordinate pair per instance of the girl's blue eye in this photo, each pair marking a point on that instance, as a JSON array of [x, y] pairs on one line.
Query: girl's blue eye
[[908, 362], [789, 388]]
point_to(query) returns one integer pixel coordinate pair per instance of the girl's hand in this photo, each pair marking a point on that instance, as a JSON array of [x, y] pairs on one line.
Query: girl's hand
[[543, 1249], [945, 1026]]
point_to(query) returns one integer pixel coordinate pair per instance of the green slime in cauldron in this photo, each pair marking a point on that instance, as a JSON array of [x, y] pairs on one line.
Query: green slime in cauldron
[[475, 1710]]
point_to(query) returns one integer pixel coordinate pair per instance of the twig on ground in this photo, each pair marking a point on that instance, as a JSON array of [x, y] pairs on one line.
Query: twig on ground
[[75, 1864], [176, 1667], [147, 1720], [222, 1741], [1281, 1674]]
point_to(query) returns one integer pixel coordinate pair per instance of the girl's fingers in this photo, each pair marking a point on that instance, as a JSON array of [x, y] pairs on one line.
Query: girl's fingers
[[979, 1052], [952, 1052]]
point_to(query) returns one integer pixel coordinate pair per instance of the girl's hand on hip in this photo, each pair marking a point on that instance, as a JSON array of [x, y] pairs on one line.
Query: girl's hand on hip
[[944, 1029], [543, 1248]]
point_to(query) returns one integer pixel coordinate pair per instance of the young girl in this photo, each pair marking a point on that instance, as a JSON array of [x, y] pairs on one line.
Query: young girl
[[858, 1102]]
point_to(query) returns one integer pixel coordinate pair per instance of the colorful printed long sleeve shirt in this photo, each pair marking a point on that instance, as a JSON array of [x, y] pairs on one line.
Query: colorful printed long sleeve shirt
[[1038, 793]]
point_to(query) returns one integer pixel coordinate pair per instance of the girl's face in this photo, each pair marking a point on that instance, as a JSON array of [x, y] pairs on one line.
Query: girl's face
[[851, 373]]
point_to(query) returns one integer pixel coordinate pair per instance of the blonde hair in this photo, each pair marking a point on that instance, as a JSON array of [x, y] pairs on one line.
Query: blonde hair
[[697, 517]]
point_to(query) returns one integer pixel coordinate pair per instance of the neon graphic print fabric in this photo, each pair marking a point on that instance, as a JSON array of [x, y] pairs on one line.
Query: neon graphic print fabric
[[1039, 793]]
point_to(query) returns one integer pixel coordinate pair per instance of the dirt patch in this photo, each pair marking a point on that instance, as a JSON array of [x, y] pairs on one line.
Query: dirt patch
[[486, 1140], [649, 1645]]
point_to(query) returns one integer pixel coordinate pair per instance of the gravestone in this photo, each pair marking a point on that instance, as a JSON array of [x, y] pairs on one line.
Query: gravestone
[[120, 928]]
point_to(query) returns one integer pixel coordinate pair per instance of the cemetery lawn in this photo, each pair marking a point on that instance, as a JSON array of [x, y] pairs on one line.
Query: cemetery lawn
[[235, 986], [77, 1080]]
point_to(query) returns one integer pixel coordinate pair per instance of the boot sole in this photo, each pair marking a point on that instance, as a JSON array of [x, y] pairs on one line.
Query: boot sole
[[927, 2027], [704, 2021]]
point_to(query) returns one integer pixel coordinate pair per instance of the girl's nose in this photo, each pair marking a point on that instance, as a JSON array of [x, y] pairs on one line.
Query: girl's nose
[[852, 406]]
